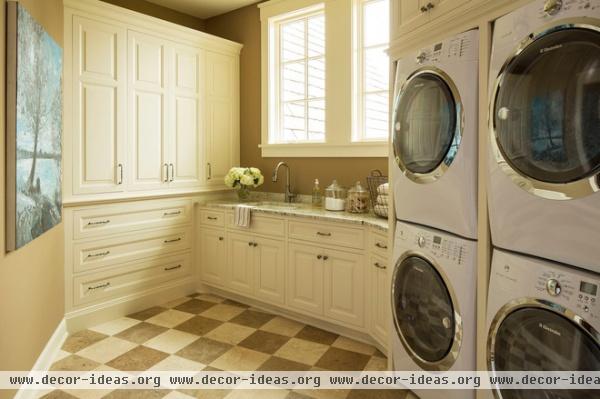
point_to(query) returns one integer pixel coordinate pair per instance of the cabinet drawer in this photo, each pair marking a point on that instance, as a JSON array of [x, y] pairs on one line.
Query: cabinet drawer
[[130, 279], [212, 218], [260, 224], [325, 233], [378, 244], [100, 253], [116, 219]]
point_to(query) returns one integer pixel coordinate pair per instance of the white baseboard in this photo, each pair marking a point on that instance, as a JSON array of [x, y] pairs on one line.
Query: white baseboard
[[44, 361]]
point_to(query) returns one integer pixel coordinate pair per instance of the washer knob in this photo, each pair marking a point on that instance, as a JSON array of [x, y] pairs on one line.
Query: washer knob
[[553, 287], [551, 7], [421, 241], [421, 58]]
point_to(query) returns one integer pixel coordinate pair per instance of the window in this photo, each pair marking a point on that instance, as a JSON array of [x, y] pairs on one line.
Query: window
[[371, 121], [299, 66]]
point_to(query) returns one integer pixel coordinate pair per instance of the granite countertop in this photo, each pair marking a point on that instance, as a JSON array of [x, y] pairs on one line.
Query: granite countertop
[[303, 210]]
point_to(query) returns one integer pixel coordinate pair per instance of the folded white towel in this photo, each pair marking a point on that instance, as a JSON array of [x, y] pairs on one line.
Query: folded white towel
[[381, 210], [383, 189], [382, 199], [241, 216]]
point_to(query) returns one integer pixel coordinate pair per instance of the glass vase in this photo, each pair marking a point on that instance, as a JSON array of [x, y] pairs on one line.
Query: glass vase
[[243, 193]]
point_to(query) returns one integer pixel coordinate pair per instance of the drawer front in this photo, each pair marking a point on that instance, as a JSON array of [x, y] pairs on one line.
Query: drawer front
[[212, 218], [378, 244], [130, 279], [325, 233], [260, 224], [102, 253], [125, 218]]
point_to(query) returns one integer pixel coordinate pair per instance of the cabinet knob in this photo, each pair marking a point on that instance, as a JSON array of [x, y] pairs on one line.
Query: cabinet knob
[[220, 238], [325, 257], [430, 6], [250, 244], [319, 256], [255, 244], [423, 9]]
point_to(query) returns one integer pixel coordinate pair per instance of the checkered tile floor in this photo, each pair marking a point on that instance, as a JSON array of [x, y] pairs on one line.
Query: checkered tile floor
[[205, 332]]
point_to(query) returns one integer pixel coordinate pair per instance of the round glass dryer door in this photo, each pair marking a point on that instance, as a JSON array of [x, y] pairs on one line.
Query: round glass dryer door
[[424, 314], [546, 114], [538, 339], [427, 125]]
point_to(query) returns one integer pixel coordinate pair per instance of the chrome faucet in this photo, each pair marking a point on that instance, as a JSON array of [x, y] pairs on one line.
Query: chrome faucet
[[289, 196]]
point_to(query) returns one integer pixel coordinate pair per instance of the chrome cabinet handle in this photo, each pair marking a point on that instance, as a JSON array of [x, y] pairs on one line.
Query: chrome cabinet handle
[[319, 256], [172, 213], [379, 266], [211, 218], [166, 169], [98, 222], [173, 240], [99, 286], [323, 234], [209, 167], [172, 172], [172, 268], [380, 245], [120, 167], [98, 254]]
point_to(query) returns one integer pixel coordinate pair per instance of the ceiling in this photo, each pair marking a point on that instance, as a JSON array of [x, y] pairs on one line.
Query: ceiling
[[203, 8]]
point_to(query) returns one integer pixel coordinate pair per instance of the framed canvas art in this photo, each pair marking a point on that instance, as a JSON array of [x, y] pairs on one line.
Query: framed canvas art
[[34, 128]]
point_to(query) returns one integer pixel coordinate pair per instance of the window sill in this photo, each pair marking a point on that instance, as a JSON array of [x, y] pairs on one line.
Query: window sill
[[322, 150]]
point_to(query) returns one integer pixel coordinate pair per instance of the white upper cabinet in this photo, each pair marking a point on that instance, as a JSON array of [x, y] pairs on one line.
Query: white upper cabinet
[[408, 15], [150, 106], [222, 115], [96, 93]]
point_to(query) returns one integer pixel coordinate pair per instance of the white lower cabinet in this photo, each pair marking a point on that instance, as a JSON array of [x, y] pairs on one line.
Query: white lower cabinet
[[241, 263], [212, 250], [269, 270], [305, 278], [380, 298]]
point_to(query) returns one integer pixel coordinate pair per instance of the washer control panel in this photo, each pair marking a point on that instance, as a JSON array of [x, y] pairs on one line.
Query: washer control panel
[[460, 47], [566, 8], [570, 290], [443, 248]]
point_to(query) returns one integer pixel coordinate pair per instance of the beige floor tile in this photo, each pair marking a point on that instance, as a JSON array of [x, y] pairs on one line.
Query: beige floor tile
[[238, 358], [141, 332], [171, 341], [204, 350], [74, 363], [230, 333], [89, 393], [147, 313], [107, 349], [115, 326], [177, 395], [58, 394], [325, 393], [61, 354], [336, 359], [257, 394], [283, 326], [207, 393], [302, 351], [222, 312], [377, 364], [354, 346], [176, 363], [82, 339], [318, 335], [175, 302], [139, 358], [411, 395], [210, 298], [379, 394], [137, 394], [170, 318]]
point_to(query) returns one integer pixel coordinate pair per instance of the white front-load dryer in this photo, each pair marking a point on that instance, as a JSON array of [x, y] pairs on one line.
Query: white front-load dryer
[[542, 316], [434, 135], [545, 132], [433, 290]]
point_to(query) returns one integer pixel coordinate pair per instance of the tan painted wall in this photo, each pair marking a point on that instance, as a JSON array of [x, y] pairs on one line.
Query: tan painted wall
[[243, 26], [161, 12], [31, 279]]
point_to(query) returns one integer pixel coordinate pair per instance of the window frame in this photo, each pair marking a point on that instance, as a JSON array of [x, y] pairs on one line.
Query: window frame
[[359, 93], [276, 103]]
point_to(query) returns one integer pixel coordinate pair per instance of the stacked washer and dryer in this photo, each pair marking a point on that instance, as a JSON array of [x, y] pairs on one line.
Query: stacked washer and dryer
[[435, 190], [544, 174]]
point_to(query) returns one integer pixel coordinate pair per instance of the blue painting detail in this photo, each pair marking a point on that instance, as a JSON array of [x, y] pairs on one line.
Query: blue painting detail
[[38, 130]]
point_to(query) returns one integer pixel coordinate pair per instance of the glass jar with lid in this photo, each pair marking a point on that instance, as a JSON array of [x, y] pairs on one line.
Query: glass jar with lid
[[358, 199], [335, 197]]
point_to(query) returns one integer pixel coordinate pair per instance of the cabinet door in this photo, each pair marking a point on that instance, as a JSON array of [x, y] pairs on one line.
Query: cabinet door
[[99, 108], [212, 248], [379, 293], [222, 121], [148, 110], [305, 278], [184, 133], [344, 285], [269, 269], [241, 261], [411, 11]]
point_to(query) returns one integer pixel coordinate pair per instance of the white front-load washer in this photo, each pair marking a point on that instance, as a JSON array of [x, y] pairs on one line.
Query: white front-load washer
[[435, 129], [545, 132], [542, 316], [433, 290]]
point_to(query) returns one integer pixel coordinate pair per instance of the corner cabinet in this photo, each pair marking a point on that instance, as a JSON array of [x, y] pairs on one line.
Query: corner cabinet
[[150, 106]]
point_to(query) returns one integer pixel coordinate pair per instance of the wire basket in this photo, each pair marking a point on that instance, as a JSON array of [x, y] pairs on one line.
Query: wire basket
[[379, 200]]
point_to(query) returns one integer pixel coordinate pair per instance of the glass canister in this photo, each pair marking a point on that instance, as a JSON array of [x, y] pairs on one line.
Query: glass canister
[[335, 197], [358, 199]]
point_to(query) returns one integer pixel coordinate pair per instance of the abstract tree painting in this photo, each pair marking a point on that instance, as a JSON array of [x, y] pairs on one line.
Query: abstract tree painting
[[34, 128]]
